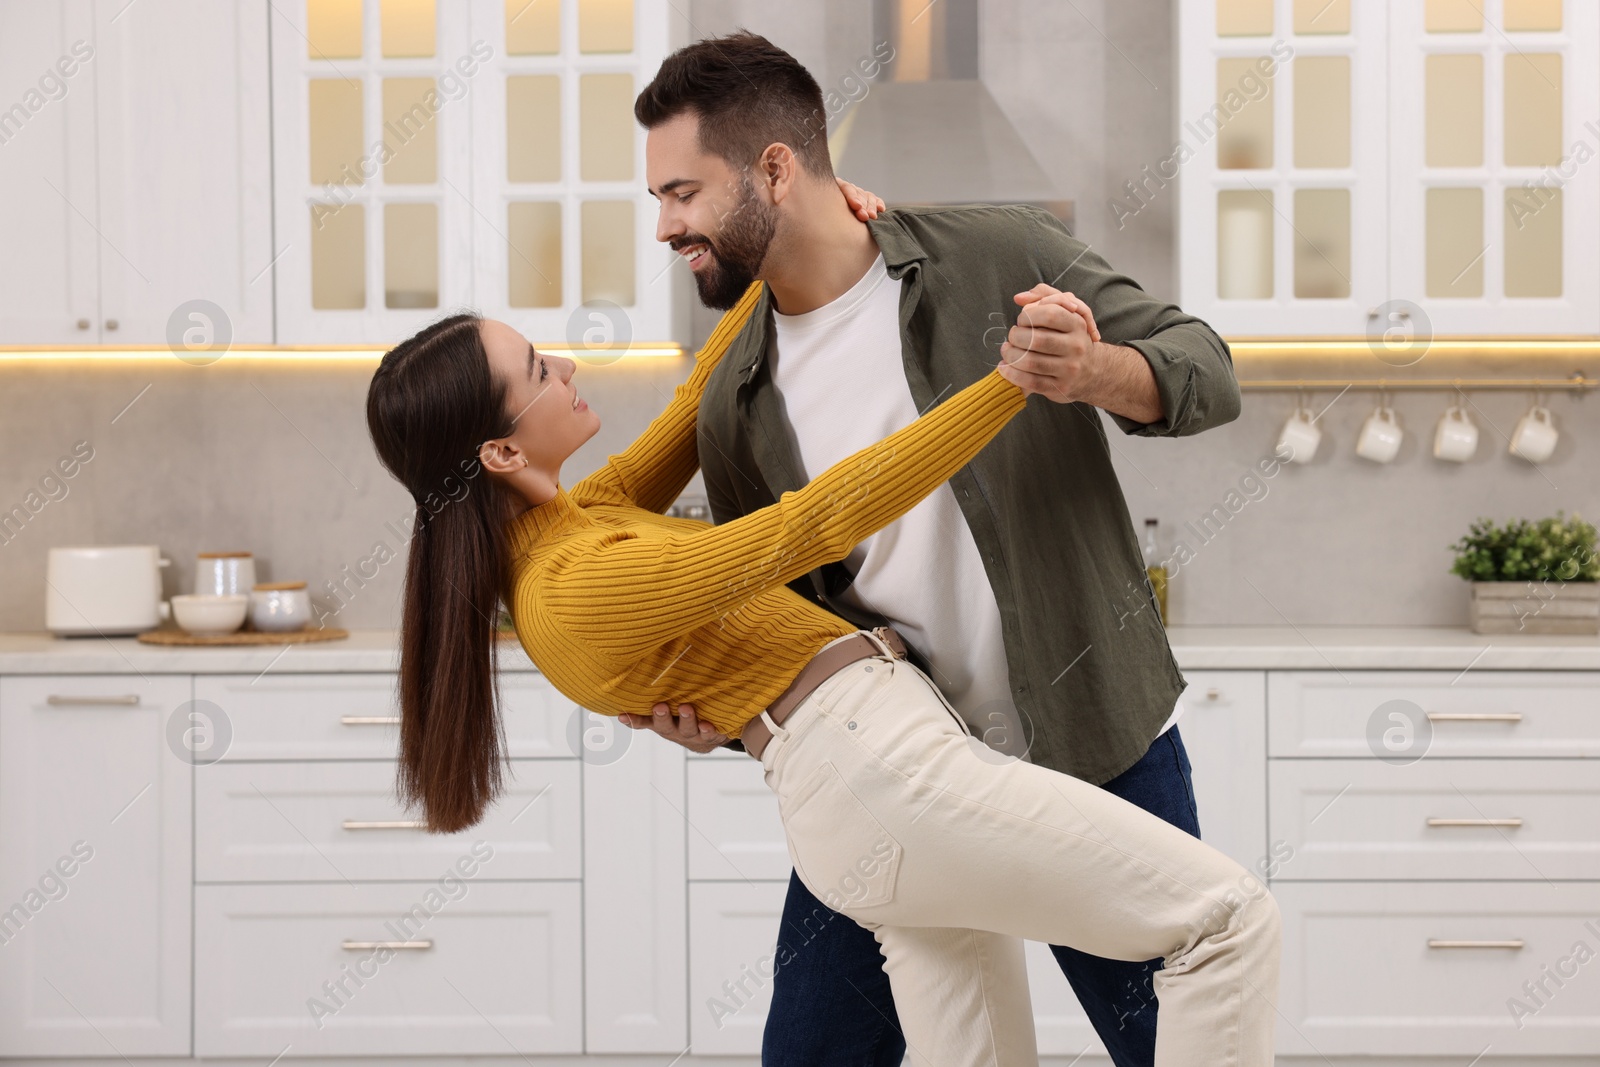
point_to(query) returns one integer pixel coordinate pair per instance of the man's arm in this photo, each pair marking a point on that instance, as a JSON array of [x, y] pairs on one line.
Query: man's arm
[[1159, 372], [684, 727]]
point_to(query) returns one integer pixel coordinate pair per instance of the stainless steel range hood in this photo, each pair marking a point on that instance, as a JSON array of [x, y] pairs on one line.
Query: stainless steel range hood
[[928, 130]]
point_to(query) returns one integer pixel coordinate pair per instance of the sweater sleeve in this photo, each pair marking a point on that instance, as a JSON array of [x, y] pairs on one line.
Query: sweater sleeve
[[653, 470], [627, 595]]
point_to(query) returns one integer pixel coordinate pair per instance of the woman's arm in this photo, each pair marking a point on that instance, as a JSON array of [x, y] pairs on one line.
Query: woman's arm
[[653, 470], [629, 594]]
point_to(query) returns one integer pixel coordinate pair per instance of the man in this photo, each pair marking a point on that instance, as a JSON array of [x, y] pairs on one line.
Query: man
[[863, 325]]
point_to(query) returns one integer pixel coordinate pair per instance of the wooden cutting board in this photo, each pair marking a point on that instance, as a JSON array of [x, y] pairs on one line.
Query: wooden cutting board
[[242, 637]]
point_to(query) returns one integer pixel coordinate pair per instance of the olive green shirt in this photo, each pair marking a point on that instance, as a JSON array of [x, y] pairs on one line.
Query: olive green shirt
[[1092, 676]]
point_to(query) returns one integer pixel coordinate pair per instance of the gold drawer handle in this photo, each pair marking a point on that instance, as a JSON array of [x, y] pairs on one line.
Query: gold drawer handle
[[368, 946], [370, 720], [393, 824], [128, 700], [1510, 823], [1437, 943], [1474, 716]]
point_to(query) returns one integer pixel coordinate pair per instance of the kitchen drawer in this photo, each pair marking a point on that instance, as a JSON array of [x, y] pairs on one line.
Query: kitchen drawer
[[495, 968], [1472, 713], [733, 953], [291, 822], [737, 832], [355, 716], [1360, 977], [1366, 819]]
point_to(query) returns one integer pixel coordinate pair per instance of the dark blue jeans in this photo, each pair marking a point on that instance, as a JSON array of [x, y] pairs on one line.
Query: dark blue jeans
[[831, 1004]]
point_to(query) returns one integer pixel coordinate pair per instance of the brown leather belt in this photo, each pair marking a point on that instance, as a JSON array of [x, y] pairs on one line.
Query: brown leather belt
[[821, 667]]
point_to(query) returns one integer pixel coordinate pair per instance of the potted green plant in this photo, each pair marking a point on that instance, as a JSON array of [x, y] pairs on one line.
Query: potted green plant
[[1532, 577]]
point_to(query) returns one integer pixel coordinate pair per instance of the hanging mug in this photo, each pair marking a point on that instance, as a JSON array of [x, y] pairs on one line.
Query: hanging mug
[[1536, 435], [1300, 436], [1456, 437], [1380, 436]]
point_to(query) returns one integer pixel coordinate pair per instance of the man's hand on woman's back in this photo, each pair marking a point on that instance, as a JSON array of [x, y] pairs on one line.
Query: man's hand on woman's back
[[683, 728]]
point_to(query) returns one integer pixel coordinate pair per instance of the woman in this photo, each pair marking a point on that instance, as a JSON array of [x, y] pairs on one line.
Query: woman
[[895, 815]]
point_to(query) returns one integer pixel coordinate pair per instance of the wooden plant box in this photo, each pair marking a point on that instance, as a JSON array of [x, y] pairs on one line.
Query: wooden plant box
[[1536, 607]]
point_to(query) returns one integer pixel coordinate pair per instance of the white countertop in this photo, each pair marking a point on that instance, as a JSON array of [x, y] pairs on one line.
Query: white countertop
[[1196, 647], [363, 650]]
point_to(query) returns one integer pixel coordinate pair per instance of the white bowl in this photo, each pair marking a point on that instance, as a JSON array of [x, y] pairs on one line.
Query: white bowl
[[204, 615]]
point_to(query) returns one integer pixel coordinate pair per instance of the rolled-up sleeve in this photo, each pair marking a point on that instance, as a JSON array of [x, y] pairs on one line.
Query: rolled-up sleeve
[[1192, 365], [1194, 377]]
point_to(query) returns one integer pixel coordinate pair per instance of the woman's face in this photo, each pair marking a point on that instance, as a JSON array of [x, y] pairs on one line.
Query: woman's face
[[550, 420]]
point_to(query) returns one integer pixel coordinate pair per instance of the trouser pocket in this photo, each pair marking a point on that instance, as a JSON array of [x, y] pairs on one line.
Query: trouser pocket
[[841, 851]]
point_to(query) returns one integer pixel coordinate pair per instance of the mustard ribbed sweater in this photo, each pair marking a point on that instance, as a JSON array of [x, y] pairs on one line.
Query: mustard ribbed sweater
[[622, 607]]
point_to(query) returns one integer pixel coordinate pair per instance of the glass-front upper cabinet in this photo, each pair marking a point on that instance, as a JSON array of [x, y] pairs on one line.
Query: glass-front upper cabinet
[[432, 156], [1339, 156], [1495, 177], [1281, 148]]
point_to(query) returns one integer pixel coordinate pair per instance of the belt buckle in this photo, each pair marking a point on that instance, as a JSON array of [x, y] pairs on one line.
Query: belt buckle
[[889, 637]]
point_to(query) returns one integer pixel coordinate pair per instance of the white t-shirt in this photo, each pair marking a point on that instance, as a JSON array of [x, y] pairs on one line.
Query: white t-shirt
[[839, 373]]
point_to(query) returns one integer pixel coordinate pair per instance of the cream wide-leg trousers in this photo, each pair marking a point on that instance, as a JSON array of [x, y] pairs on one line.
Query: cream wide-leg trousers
[[950, 853]]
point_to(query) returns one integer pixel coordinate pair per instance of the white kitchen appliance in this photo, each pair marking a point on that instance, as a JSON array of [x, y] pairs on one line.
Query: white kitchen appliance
[[107, 590]]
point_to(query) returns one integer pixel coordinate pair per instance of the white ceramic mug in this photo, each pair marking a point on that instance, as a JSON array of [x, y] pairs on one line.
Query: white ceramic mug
[[1456, 437], [224, 574], [1300, 436], [1380, 436], [1535, 437]]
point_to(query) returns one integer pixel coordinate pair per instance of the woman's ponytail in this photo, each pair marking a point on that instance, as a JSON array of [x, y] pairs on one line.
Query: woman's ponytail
[[431, 403]]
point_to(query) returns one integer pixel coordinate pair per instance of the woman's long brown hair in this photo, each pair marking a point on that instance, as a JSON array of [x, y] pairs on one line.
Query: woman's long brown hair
[[430, 406]]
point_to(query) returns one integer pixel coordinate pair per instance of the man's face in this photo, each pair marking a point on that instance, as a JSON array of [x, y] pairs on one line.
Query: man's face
[[712, 214]]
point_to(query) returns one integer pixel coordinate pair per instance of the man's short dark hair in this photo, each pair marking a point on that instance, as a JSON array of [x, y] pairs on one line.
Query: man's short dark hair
[[747, 93]]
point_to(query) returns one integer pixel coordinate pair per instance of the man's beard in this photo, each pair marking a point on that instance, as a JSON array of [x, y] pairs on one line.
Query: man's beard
[[740, 248]]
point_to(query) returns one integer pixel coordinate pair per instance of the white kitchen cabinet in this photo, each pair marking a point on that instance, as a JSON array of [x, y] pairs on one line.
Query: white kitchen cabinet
[[471, 967], [95, 868], [475, 154], [738, 833], [1411, 714], [352, 716], [331, 821], [144, 186], [1437, 969], [1405, 170], [1223, 727], [1505, 820], [634, 890], [1493, 202], [733, 952], [48, 182]]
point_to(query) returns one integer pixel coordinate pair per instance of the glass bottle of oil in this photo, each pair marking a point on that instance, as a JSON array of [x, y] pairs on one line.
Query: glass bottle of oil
[[1155, 567]]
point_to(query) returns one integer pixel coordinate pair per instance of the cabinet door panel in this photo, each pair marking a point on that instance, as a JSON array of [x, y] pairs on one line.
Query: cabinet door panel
[[94, 867], [184, 172], [733, 952], [738, 831], [1488, 236], [48, 211], [1224, 730]]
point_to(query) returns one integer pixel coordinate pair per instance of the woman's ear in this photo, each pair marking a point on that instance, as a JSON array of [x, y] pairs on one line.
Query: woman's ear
[[501, 456]]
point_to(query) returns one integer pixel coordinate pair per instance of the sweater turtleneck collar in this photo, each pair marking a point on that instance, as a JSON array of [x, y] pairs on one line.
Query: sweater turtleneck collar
[[538, 524]]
